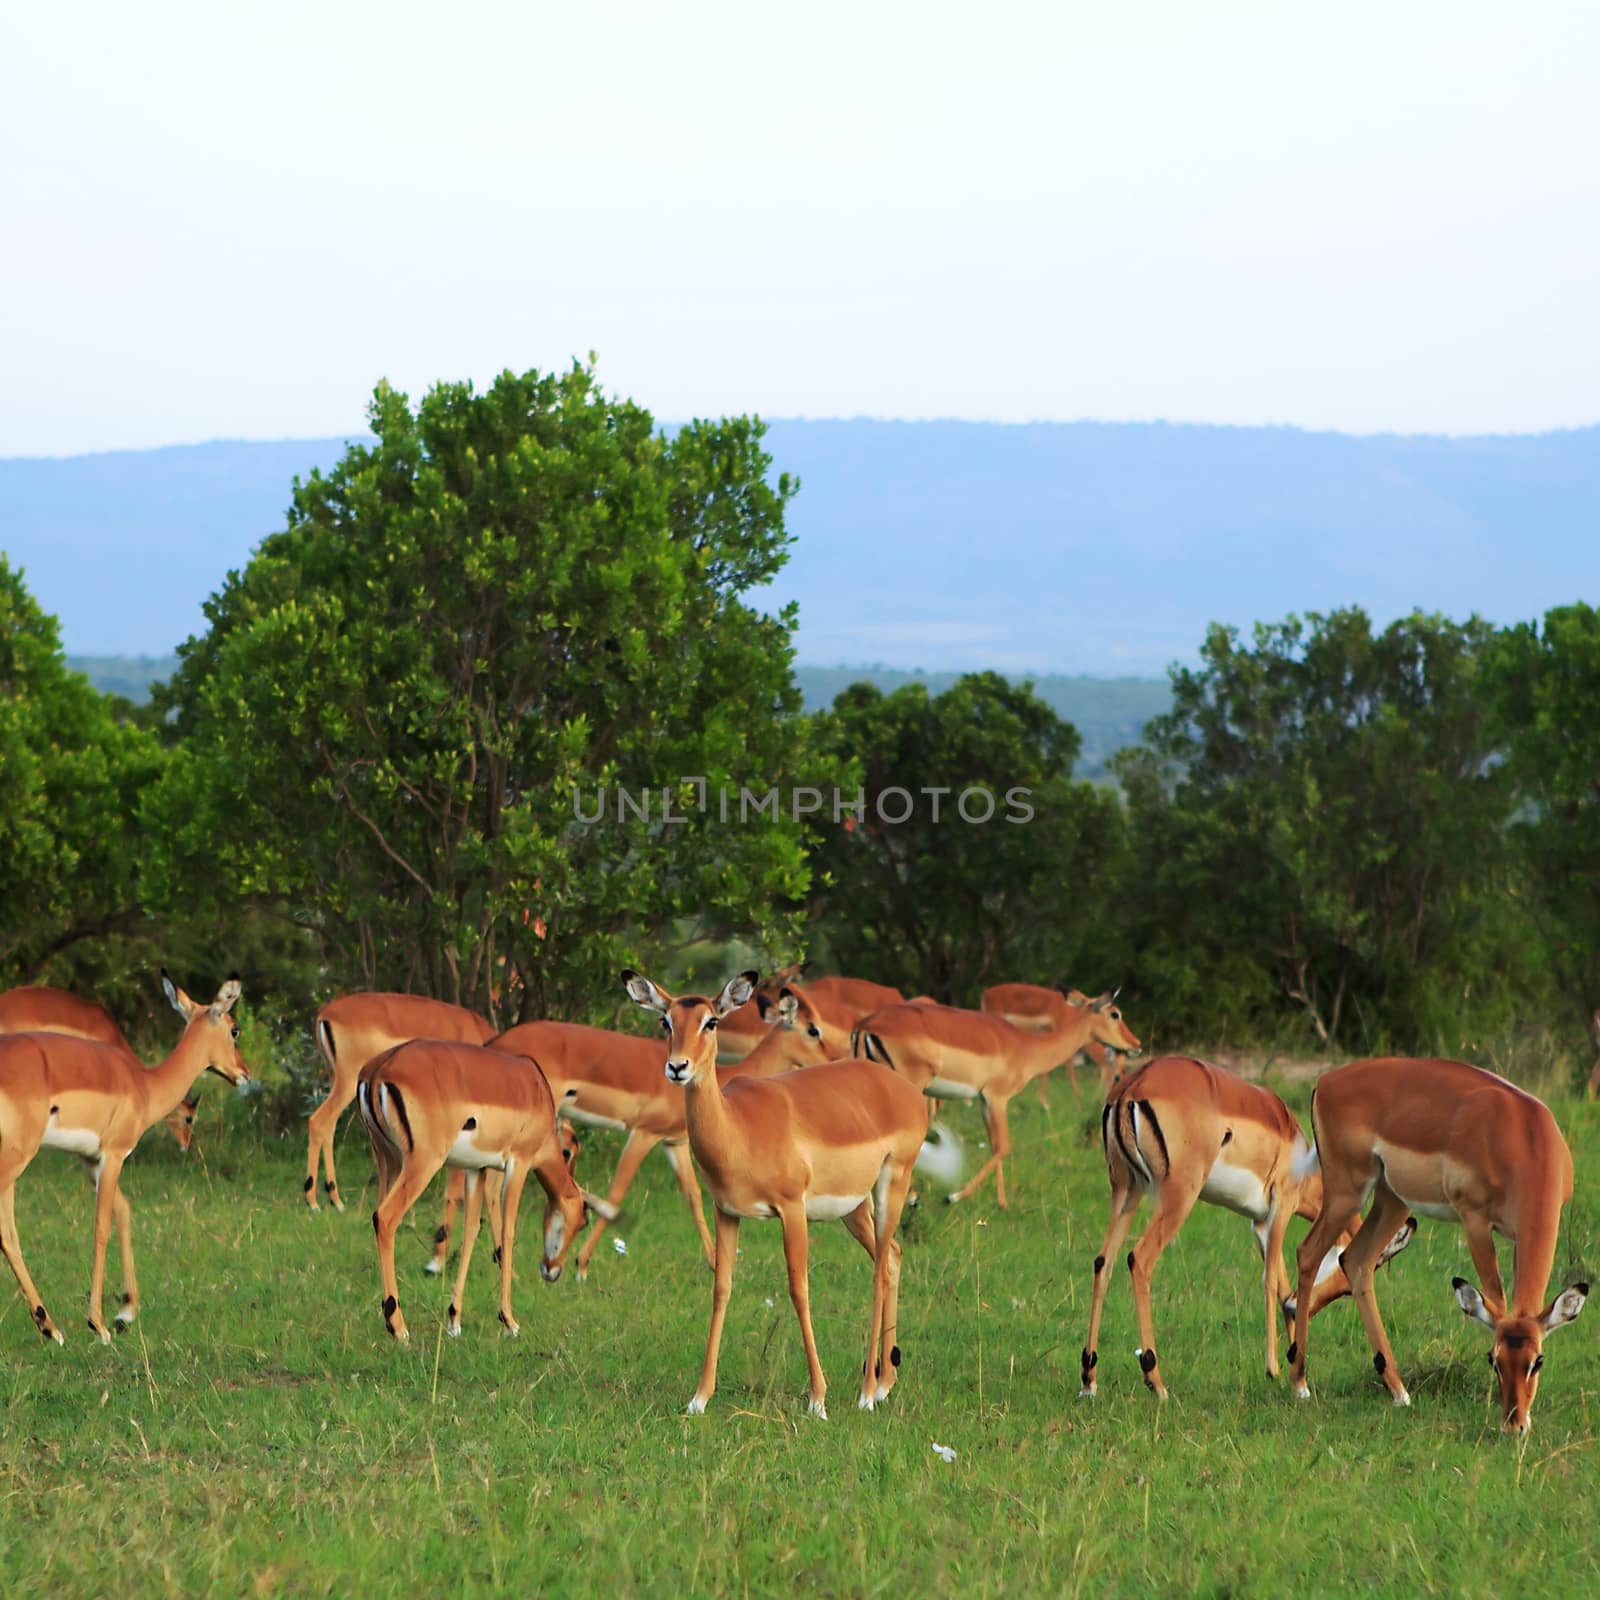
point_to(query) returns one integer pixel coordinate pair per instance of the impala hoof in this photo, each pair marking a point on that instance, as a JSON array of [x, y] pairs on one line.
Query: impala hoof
[[1302, 1390], [1086, 1394], [453, 1329], [867, 1402], [433, 1266], [1401, 1399], [510, 1330], [818, 1408], [695, 1407]]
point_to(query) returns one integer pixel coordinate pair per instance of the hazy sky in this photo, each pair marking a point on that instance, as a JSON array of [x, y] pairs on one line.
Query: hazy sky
[[222, 221]]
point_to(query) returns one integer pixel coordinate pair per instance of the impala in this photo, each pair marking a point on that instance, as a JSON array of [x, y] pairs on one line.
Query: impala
[[953, 1054], [58, 1092], [1040, 1010], [616, 1080], [39, 1009], [1451, 1141], [836, 1140], [432, 1103], [1182, 1130], [837, 1003], [353, 1029]]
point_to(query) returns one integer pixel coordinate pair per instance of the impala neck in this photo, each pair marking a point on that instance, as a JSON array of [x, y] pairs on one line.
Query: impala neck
[[776, 1053], [1039, 1052], [705, 1110], [169, 1081]]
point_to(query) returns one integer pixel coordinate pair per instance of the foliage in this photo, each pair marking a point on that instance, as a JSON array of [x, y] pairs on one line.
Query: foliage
[[506, 604], [943, 905], [72, 771], [1543, 684], [1318, 822]]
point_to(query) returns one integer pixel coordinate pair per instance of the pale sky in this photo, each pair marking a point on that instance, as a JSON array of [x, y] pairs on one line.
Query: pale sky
[[220, 221]]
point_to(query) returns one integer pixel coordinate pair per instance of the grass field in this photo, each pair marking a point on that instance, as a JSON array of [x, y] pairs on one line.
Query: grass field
[[256, 1433]]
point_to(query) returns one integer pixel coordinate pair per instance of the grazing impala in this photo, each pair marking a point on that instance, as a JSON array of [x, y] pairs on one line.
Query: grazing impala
[[353, 1029], [1040, 1010], [39, 1009], [616, 1080], [1183, 1130], [1451, 1141], [835, 1140], [967, 1055], [58, 1092], [433, 1103]]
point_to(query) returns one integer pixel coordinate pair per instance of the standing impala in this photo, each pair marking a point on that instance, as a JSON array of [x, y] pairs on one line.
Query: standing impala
[[838, 1004], [1038, 1009], [616, 1080], [837, 1140], [1451, 1141], [40, 1009], [1183, 1130], [967, 1055], [433, 1103], [353, 1029], [58, 1092]]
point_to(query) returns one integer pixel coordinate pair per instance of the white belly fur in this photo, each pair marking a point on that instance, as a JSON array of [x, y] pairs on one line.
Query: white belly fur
[[948, 1089], [76, 1141], [830, 1207], [1439, 1213], [1236, 1188], [464, 1153]]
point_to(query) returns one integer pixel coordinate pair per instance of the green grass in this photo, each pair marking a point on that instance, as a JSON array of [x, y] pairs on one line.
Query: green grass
[[257, 1433]]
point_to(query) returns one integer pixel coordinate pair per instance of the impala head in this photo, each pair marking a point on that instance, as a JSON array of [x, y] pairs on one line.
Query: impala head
[[1107, 1026], [690, 1021], [770, 989], [802, 1027], [215, 1025], [182, 1120], [566, 1215], [1518, 1350]]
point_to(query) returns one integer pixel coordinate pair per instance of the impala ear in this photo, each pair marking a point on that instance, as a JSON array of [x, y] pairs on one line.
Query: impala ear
[[1565, 1307], [788, 1007], [1471, 1302], [1076, 997], [644, 993], [191, 1101], [227, 995], [179, 1001], [1100, 1002], [735, 992]]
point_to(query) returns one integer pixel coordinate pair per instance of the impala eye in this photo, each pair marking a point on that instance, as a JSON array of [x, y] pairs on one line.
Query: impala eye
[[814, 1031], [236, 1033], [666, 1024], [710, 1025], [1538, 1361]]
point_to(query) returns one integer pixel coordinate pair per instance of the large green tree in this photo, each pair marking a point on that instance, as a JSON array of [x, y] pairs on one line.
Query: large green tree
[[73, 766], [1543, 683], [939, 882], [503, 612], [1319, 831]]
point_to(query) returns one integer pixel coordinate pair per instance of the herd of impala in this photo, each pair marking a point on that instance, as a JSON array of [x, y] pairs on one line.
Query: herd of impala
[[810, 1102]]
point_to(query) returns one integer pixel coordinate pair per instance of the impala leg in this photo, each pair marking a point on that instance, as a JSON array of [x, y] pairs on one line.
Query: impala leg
[[727, 1250], [107, 1171], [12, 1247], [894, 1187], [994, 1118], [511, 1200], [1274, 1275], [472, 1182], [860, 1226], [796, 1253], [1174, 1202], [1337, 1205], [639, 1145], [455, 1185], [1360, 1258], [683, 1170], [320, 1128], [1480, 1241], [414, 1177], [130, 1279], [494, 1205], [1125, 1198]]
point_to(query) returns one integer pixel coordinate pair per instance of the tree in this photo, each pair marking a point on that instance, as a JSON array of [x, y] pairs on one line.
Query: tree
[[974, 858], [1543, 687], [509, 607], [1318, 821], [72, 771]]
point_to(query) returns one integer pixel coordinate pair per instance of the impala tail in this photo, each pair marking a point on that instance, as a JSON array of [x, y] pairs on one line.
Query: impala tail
[[942, 1157]]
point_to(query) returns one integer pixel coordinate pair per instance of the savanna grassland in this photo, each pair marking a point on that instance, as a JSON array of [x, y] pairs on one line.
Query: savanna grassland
[[257, 1433]]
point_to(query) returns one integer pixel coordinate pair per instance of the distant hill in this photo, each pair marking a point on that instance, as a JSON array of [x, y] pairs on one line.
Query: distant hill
[[1108, 712], [1082, 548]]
